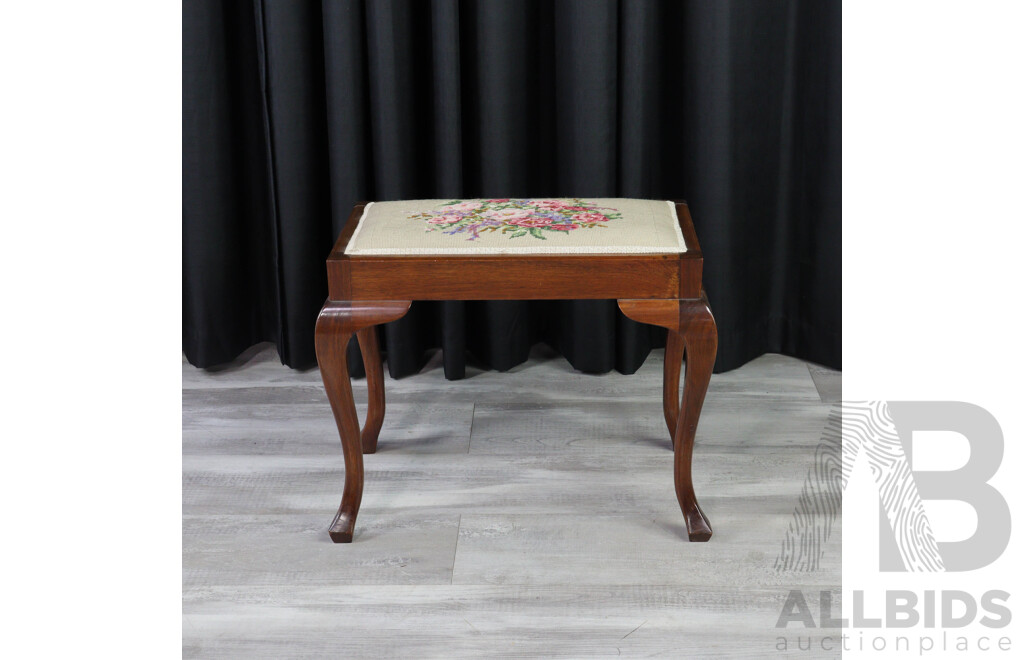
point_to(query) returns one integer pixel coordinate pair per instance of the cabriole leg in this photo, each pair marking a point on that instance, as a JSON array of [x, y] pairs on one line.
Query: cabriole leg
[[337, 322], [670, 385], [370, 348], [692, 330]]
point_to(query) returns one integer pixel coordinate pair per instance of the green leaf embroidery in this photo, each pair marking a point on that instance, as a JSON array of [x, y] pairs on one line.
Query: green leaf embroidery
[[475, 217]]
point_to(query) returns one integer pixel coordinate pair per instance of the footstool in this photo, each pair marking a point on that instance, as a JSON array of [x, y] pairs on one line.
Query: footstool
[[643, 253]]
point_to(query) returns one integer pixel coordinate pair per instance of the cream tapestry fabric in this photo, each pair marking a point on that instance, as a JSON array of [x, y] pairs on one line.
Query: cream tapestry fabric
[[517, 226]]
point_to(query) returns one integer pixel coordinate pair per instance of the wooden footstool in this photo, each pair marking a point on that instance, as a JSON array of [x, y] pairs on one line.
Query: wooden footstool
[[643, 253]]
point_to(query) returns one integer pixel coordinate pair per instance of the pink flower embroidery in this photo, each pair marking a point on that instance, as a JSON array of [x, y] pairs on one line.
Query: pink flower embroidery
[[508, 215], [531, 222], [589, 217], [515, 218]]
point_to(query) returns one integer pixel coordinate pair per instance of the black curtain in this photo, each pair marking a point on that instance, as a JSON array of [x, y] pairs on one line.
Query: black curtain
[[294, 111]]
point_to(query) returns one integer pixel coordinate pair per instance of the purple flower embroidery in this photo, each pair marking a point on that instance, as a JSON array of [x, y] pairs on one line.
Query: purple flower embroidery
[[515, 218]]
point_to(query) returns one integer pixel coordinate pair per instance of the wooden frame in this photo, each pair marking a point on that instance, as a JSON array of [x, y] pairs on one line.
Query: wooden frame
[[661, 289]]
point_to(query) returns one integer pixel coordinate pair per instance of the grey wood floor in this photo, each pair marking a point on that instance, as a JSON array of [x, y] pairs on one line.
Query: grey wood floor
[[521, 514]]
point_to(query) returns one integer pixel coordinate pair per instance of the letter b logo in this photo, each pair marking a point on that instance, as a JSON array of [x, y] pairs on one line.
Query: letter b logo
[[967, 484]]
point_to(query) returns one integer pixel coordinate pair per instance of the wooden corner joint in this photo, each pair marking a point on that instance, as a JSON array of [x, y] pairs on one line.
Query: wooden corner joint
[[690, 316], [345, 316]]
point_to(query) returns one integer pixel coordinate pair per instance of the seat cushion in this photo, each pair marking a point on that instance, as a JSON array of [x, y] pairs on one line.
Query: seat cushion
[[517, 226]]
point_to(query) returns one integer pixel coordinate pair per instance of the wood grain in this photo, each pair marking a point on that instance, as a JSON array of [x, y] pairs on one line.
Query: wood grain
[[547, 483], [585, 571], [503, 277], [828, 382], [548, 548], [633, 425], [516, 277], [696, 334], [277, 550], [495, 621], [770, 376], [664, 289], [375, 385], [670, 380], [337, 322], [245, 424]]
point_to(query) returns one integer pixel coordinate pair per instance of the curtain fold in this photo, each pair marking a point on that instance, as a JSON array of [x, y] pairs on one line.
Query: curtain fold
[[295, 111]]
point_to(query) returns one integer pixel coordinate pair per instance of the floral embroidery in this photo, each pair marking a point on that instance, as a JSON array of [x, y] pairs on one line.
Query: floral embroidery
[[515, 218]]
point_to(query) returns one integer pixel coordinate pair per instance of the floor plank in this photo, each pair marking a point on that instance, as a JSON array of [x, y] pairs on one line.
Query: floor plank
[[729, 423], [521, 514], [770, 375], [624, 549], [499, 621], [829, 382], [583, 482], [308, 429], [278, 550]]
